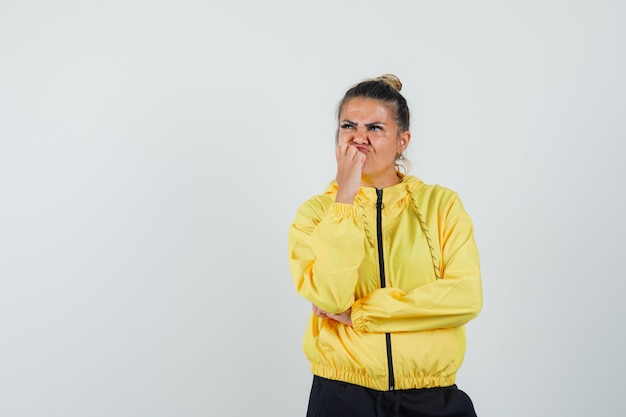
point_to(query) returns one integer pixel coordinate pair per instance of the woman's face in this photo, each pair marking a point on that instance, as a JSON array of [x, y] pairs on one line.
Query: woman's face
[[369, 125]]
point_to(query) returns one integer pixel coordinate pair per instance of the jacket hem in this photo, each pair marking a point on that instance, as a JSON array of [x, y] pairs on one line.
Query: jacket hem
[[381, 383]]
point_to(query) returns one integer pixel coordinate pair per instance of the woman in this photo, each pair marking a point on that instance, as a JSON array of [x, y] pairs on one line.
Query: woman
[[391, 268]]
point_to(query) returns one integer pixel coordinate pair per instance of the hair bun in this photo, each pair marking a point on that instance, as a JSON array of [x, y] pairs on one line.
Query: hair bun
[[392, 80]]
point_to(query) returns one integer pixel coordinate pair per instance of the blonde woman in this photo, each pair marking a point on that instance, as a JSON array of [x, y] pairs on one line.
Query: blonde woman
[[391, 268]]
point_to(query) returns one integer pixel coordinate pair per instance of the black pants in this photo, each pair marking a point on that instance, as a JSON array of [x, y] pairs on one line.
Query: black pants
[[339, 399]]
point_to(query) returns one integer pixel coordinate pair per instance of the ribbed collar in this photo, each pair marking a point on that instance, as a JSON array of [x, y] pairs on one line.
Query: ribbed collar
[[391, 194]]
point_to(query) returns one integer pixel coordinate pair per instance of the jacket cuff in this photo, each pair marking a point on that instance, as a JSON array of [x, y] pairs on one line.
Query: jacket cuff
[[349, 210], [357, 315]]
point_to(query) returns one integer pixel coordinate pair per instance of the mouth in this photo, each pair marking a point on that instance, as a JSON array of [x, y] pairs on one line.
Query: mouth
[[362, 148]]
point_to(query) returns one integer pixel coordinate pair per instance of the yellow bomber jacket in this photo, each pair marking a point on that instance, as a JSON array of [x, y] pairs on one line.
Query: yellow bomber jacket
[[412, 281]]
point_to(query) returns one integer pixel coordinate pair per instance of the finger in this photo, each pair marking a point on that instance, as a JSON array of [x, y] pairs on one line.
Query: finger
[[352, 153], [361, 157], [318, 311], [342, 150]]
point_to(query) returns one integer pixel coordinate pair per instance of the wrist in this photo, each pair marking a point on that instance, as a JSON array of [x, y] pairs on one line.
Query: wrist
[[345, 197]]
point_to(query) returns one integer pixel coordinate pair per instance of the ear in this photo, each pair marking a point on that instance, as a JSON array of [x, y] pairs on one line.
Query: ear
[[405, 138]]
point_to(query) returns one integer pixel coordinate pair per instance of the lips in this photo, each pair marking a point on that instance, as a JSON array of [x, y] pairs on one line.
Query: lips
[[362, 148]]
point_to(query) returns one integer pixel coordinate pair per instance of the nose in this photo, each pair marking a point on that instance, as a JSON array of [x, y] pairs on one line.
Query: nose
[[360, 136]]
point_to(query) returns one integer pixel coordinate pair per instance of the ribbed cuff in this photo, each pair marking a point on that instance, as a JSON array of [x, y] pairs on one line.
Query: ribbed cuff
[[349, 210], [358, 316]]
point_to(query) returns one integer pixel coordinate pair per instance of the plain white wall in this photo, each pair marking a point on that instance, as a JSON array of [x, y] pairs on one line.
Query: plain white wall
[[153, 154]]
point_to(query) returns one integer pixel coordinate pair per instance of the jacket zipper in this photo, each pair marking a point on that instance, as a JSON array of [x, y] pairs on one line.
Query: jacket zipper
[[381, 266]]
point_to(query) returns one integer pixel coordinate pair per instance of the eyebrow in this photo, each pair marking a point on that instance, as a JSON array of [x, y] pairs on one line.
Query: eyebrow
[[366, 125]]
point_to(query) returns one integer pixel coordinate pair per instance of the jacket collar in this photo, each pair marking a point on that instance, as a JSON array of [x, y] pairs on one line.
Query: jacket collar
[[392, 194]]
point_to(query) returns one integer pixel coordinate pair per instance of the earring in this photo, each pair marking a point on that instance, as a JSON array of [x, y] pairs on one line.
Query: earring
[[399, 157]]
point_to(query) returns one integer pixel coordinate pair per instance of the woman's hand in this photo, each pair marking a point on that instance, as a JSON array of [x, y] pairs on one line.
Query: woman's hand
[[344, 317], [349, 165]]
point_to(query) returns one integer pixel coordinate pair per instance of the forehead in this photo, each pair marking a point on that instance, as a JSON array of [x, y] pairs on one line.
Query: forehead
[[366, 109]]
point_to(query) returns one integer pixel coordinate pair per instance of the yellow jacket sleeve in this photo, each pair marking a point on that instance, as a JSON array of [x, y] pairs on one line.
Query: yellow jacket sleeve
[[325, 251], [450, 301]]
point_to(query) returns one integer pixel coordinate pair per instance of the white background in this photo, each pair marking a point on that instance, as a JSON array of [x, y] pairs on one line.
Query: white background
[[153, 155]]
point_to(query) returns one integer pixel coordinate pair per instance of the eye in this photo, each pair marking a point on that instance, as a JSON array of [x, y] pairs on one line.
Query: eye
[[347, 126], [376, 128]]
